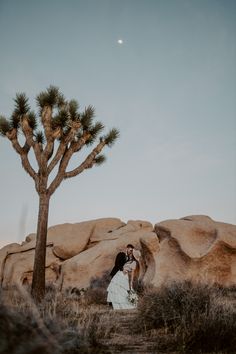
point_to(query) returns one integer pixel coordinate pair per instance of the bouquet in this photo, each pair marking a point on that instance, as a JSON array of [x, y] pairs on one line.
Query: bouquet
[[132, 297]]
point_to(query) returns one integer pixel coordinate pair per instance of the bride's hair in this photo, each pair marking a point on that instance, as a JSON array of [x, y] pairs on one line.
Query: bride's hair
[[137, 269]]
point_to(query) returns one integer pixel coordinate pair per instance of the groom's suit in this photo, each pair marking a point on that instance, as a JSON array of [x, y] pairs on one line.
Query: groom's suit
[[121, 259]]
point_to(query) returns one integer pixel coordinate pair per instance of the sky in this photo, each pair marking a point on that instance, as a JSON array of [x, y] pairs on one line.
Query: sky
[[170, 88]]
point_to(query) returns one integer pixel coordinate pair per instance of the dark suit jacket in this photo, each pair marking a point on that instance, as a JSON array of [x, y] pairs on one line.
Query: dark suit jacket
[[119, 263]]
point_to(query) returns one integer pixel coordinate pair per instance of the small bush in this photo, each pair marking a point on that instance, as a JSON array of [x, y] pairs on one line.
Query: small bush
[[96, 296], [96, 293], [194, 318], [59, 325], [100, 282], [171, 305], [213, 332], [20, 333]]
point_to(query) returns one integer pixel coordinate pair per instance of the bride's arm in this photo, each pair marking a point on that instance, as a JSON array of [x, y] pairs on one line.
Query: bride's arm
[[131, 278]]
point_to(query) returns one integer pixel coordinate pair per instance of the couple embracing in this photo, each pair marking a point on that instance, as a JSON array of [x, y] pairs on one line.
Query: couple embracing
[[120, 290]]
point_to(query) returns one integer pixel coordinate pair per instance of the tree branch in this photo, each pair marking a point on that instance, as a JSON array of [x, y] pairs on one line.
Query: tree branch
[[87, 163], [28, 133], [23, 152], [62, 147], [46, 121], [74, 147], [60, 174]]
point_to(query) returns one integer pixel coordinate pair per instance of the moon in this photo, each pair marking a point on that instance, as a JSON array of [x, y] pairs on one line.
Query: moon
[[120, 41]]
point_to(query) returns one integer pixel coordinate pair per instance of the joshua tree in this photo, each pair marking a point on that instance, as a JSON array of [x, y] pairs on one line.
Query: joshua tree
[[64, 132]]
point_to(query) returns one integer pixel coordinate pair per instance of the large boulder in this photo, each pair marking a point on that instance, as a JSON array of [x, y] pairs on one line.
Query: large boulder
[[70, 239], [194, 248], [19, 267], [63, 242]]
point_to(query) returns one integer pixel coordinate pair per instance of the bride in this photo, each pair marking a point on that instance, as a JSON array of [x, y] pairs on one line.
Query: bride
[[121, 285]]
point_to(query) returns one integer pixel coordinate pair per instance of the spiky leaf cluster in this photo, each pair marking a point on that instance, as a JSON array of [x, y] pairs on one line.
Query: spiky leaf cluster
[[100, 159], [51, 97], [21, 104], [32, 120], [5, 126], [95, 130], [15, 120], [39, 137], [61, 119], [111, 137], [87, 117], [22, 110], [73, 107]]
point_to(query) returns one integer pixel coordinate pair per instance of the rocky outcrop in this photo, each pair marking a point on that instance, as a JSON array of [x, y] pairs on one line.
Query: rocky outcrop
[[195, 248], [75, 252], [97, 260]]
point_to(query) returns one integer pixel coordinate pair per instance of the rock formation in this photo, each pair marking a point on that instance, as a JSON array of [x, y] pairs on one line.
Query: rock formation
[[196, 248], [193, 248]]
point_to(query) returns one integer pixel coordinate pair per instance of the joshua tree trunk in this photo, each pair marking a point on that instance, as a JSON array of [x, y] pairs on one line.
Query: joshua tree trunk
[[38, 282]]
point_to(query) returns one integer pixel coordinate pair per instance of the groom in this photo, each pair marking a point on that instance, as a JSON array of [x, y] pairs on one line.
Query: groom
[[121, 259]]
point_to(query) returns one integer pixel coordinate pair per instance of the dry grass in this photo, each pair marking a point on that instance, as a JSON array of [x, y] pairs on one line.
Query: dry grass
[[63, 323], [180, 318], [189, 318]]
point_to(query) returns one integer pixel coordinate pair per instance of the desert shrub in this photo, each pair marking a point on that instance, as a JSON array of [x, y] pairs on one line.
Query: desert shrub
[[58, 325], [100, 282], [213, 332], [191, 318], [96, 296], [173, 305], [20, 333], [96, 293]]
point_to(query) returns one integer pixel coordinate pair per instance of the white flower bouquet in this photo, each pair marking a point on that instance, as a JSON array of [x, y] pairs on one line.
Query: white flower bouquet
[[132, 297]]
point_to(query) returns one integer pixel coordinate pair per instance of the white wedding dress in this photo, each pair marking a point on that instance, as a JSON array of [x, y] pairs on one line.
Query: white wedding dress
[[118, 289]]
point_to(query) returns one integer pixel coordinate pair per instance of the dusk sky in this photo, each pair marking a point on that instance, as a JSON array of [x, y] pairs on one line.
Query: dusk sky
[[170, 88]]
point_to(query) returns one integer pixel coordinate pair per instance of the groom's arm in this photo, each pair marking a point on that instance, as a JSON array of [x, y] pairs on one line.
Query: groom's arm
[[120, 260], [119, 263]]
